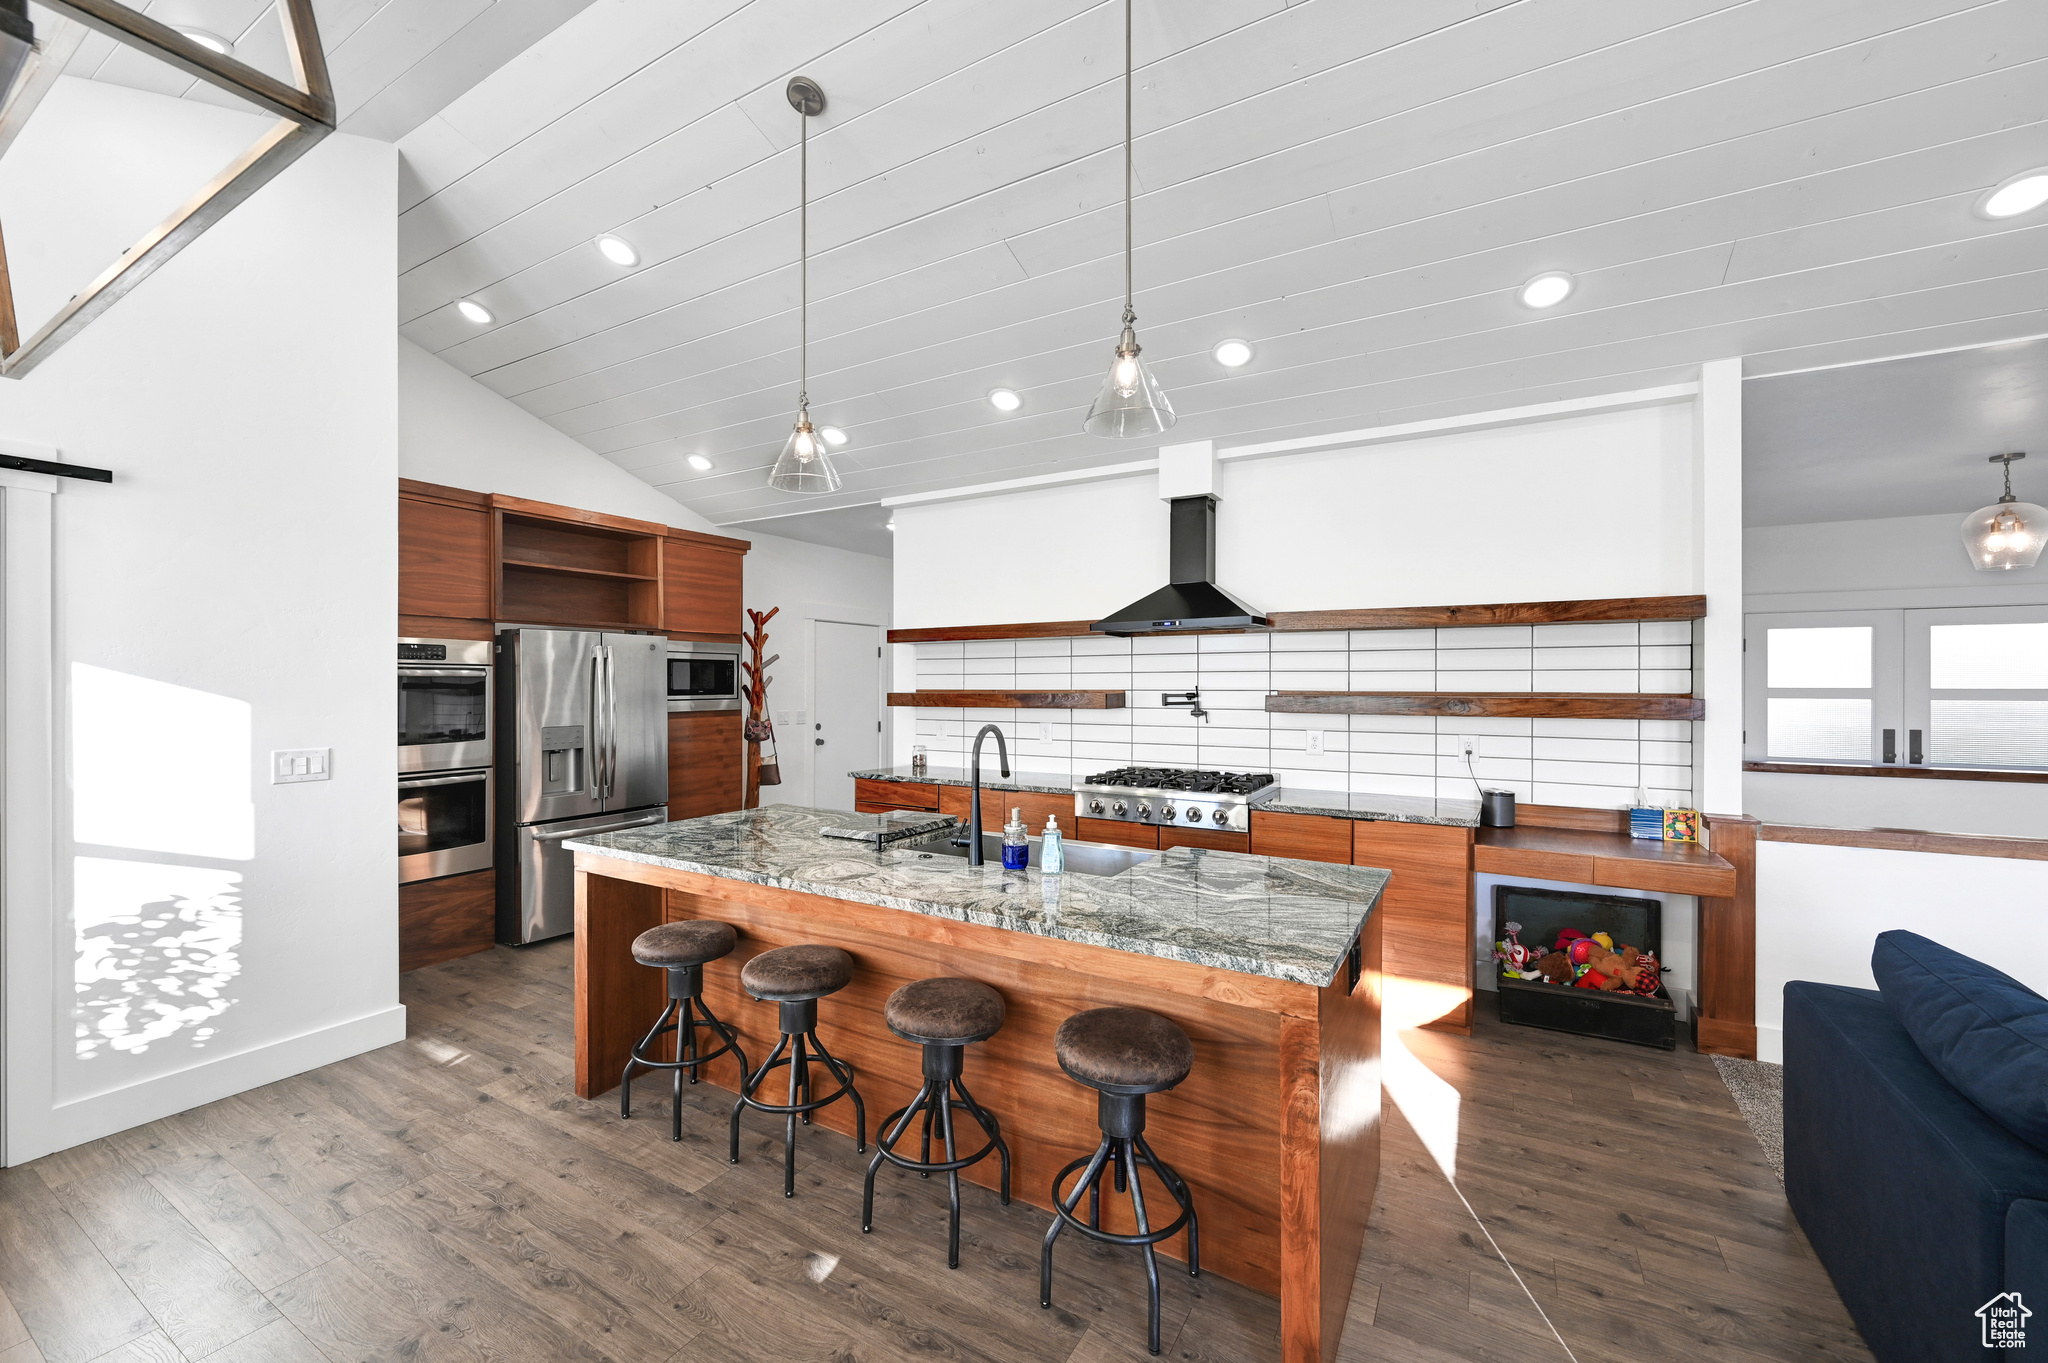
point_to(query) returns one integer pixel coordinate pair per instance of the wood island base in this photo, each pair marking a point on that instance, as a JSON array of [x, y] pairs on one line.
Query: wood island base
[[1277, 1130]]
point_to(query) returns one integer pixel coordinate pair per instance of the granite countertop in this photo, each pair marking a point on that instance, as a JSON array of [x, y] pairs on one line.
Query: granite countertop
[[1331, 803], [1287, 920]]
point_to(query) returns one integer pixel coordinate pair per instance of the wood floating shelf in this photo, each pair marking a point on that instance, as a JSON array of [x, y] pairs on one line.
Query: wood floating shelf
[[1619, 608], [1489, 704], [1009, 700], [2022, 775], [1585, 857]]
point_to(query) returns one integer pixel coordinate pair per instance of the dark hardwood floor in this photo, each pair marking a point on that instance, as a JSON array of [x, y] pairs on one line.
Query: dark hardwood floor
[[449, 1198]]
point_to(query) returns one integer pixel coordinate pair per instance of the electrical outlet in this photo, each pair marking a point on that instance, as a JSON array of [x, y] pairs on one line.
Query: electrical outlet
[[1045, 733], [1468, 746], [288, 765], [1315, 742]]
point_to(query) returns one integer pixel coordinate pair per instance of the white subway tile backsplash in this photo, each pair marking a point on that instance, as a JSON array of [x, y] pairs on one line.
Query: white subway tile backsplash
[[1585, 762], [1664, 632], [1394, 638], [1575, 635]]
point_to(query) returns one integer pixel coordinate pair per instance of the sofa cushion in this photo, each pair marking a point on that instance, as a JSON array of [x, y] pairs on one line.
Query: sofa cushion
[[1981, 1029], [2026, 1250]]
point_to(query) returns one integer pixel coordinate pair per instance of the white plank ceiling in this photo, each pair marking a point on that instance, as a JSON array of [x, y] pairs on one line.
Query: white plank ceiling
[[1357, 188], [393, 62]]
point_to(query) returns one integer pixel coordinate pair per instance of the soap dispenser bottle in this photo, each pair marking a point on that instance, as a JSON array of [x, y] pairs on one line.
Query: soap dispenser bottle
[[1052, 854], [1016, 842]]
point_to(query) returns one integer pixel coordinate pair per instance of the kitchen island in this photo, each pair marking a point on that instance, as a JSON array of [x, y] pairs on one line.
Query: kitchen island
[[1270, 965]]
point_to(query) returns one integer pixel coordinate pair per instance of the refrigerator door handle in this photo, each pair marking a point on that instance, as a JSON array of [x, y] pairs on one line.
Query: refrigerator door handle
[[597, 717], [611, 723], [654, 818]]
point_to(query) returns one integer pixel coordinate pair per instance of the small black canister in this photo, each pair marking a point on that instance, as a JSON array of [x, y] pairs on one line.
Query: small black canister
[[1496, 809]]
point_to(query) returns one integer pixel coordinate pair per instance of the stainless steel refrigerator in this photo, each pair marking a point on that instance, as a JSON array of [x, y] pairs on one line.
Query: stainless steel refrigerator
[[582, 748]]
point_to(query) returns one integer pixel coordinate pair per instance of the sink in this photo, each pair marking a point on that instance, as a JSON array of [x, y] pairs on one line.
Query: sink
[[1083, 858]]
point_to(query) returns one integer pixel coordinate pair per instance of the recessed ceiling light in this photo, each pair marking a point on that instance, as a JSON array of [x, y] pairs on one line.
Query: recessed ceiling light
[[617, 250], [1232, 353], [1547, 290], [212, 42], [833, 436], [1004, 399], [2021, 193], [474, 311], [699, 463]]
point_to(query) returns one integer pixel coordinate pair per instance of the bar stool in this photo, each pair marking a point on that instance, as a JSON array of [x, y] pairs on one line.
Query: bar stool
[[795, 978], [944, 1016], [682, 950], [1123, 1054]]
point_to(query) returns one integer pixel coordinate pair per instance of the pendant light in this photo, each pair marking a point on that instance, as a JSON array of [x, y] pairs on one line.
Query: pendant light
[[2008, 533], [1131, 402], [804, 465]]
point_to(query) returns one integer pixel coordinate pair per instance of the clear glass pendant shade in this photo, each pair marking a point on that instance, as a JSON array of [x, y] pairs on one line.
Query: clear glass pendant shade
[[1131, 402], [804, 466], [2005, 535]]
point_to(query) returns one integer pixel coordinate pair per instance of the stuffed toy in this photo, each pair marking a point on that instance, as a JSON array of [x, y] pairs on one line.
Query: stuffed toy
[[1604, 940], [1648, 971], [1512, 954], [1583, 949], [1566, 937], [1593, 979], [1555, 967]]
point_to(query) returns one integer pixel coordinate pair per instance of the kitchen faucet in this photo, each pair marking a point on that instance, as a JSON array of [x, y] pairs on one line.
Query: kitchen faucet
[[974, 795]]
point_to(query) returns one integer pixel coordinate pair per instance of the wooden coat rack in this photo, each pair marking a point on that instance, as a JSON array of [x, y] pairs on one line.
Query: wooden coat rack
[[756, 692]]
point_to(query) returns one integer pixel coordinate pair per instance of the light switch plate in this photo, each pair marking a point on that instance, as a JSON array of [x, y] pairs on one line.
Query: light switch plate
[[289, 765]]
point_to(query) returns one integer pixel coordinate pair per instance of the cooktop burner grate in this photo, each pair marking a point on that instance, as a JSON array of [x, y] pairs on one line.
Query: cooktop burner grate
[[1194, 782]]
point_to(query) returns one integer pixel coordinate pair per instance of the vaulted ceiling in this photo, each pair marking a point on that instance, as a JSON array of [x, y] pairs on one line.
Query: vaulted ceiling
[[1356, 188]]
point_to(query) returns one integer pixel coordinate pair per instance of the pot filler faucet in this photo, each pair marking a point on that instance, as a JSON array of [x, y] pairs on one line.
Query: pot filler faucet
[[974, 797]]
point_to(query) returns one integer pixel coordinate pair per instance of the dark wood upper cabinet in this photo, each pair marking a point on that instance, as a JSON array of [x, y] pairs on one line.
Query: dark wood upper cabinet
[[700, 584], [444, 559]]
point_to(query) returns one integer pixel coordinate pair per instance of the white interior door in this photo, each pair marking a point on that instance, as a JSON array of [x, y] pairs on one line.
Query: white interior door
[[846, 730]]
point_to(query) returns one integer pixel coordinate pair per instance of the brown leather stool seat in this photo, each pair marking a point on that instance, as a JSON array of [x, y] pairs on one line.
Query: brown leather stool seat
[[1123, 1050], [690, 942], [793, 974], [944, 1012]]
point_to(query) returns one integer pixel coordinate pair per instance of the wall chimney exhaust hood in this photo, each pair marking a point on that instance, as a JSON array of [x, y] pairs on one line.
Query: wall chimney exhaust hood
[[1190, 600]]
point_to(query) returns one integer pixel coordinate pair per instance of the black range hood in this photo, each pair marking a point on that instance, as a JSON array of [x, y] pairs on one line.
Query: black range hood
[[1190, 601]]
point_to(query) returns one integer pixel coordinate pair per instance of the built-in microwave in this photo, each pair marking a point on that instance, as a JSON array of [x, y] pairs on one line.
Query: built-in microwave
[[444, 704], [703, 676], [444, 824]]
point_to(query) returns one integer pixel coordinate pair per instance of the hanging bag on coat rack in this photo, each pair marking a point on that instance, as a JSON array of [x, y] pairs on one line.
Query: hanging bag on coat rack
[[770, 771]]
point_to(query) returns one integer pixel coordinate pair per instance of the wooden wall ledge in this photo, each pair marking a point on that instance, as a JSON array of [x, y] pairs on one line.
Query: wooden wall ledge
[[2033, 777], [1390, 617], [1908, 840], [1009, 700], [1491, 704]]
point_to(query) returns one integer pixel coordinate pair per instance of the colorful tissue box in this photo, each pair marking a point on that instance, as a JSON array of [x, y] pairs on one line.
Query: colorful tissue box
[[1646, 823], [1681, 825]]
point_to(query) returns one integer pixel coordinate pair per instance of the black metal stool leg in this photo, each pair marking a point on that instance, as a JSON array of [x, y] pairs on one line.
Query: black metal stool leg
[[633, 1059], [1177, 1186], [952, 1183], [1089, 1177], [747, 1087], [888, 1139], [798, 1066], [844, 1074], [994, 1130], [1151, 1258]]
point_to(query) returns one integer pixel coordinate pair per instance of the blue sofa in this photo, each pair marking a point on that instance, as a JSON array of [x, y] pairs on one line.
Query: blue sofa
[[1921, 1207]]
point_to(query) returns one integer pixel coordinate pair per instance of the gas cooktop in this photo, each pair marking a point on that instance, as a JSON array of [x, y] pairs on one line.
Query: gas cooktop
[[1163, 795]]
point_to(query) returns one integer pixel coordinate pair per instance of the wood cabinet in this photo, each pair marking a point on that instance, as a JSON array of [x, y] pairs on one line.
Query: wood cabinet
[[996, 806], [439, 920], [1215, 839], [700, 584], [444, 554], [596, 573], [1427, 912], [1303, 837], [877, 797], [704, 760]]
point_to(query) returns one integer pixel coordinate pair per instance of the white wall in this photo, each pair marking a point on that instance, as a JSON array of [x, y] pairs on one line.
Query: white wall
[[810, 582], [230, 593], [1819, 910], [1592, 506], [454, 431], [1897, 563]]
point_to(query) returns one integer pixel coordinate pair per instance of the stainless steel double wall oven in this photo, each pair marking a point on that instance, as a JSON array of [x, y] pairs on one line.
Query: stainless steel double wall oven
[[446, 786]]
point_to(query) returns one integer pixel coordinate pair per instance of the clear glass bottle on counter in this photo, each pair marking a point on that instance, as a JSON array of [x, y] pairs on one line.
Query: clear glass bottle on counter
[[1016, 842], [917, 760]]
